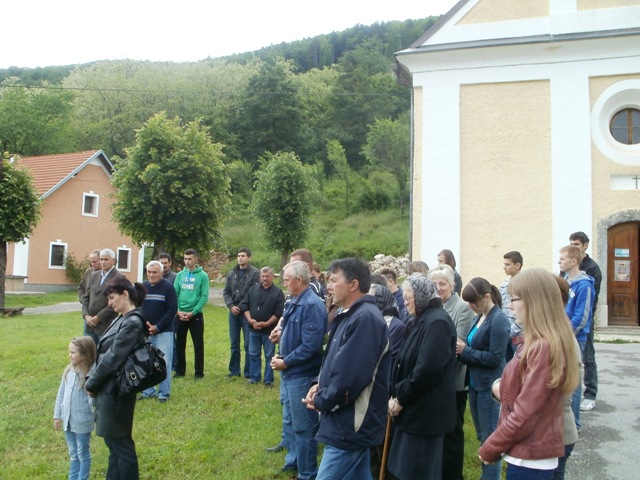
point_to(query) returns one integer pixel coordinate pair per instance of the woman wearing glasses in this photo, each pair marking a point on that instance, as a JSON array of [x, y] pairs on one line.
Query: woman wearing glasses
[[544, 369]]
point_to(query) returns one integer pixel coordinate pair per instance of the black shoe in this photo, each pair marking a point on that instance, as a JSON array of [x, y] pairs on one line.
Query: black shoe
[[268, 385], [178, 375], [199, 376], [276, 449], [163, 400], [142, 397], [232, 375]]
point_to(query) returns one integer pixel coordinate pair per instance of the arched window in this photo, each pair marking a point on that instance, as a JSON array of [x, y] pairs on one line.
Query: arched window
[[625, 126]]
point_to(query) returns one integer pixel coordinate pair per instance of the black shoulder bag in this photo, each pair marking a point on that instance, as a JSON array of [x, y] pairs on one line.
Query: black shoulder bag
[[143, 369]]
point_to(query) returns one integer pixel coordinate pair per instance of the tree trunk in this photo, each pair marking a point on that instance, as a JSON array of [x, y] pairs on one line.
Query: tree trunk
[[3, 270], [284, 259]]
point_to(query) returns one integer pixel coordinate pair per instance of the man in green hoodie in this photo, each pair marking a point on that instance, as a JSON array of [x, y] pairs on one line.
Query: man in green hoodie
[[192, 290]]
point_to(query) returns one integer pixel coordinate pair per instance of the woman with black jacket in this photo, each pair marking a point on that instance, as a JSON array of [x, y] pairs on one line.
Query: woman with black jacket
[[423, 390], [114, 413]]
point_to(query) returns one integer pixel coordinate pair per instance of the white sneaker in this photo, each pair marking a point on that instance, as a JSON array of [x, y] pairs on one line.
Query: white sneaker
[[587, 404]]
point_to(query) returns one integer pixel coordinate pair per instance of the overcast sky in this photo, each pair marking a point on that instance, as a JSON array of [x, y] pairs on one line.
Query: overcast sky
[[39, 33]]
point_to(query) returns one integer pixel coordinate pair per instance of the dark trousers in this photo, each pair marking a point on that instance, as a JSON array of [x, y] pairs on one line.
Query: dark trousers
[[196, 327], [123, 460], [590, 368], [453, 450]]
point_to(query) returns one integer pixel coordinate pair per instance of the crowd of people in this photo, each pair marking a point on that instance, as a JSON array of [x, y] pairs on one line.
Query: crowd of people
[[379, 373]]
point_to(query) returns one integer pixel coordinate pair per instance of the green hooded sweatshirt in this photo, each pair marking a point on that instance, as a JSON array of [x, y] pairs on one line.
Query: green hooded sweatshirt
[[192, 289]]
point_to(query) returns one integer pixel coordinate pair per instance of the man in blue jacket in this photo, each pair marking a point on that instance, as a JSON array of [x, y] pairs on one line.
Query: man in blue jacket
[[303, 326], [353, 386], [579, 308]]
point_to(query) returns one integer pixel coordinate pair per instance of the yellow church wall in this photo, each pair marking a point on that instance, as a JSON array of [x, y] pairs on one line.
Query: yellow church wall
[[605, 200], [505, 159], [487, 11], [416, 213], [600, 4]]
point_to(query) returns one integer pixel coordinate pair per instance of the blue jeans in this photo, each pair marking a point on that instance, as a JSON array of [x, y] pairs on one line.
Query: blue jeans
[[257, 342], [562, 462], [576, 396], [79, 455], [485, 412], [299, 434], [164, 341], [515, 472], [123, 460], [90, 333], [238, 323], [338, 463]]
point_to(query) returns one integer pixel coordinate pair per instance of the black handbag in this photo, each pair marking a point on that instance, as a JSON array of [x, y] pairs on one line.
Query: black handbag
[[143, 369]]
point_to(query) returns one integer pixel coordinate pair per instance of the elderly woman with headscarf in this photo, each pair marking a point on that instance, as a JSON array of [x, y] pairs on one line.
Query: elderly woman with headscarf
[[423, 390]]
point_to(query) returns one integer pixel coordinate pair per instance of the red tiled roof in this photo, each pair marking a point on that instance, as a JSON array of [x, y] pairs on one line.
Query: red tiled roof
[[48, 171]]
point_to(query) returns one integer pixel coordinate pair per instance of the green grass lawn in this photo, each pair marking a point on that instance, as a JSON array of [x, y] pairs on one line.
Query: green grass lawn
[[214, 428], [39, 300]]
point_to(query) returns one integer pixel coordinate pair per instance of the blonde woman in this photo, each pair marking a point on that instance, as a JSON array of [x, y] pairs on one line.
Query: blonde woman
[[529, 435]]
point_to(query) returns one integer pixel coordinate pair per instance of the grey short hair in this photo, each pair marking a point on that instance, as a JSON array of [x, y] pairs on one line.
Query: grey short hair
[[267, 270], [107, 252], [442, 271], [299, 270], [155, 263]]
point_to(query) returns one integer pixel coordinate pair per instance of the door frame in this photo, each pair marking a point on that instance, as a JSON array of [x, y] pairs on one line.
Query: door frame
[[604, 224]]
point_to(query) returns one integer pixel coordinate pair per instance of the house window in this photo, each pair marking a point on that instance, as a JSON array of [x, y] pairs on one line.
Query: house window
[[57, 254], [124, 259], [90, 204], [625, 126]]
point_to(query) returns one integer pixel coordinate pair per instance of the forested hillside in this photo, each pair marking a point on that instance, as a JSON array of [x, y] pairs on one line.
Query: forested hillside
[[332, 100]]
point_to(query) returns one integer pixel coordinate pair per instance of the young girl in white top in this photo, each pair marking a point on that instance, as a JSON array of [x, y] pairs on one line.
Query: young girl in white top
[[73, 412]]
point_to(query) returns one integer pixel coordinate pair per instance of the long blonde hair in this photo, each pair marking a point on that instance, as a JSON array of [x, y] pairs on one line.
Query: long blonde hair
[[545, 320], [87, 348]]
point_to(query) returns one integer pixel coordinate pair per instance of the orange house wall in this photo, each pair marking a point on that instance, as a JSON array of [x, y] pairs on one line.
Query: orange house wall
[[62, 220]]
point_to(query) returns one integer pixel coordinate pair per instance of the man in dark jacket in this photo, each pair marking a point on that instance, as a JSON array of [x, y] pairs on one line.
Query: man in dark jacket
[[239, 280], [353, 386], [96, 311], [262, 307]]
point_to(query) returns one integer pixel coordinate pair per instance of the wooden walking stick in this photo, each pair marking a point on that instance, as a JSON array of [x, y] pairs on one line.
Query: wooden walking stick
[[385, 449]]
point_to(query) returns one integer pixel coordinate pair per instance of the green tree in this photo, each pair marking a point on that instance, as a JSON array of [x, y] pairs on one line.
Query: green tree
[[388, 145], [283, 202], [366, 90], [338, 160], [34, 121], [270, 116], [173, 190], [19, 210]]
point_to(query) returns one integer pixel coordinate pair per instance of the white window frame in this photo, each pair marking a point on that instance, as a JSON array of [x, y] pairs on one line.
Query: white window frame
[[128, 267], [96, 198], [58, 243]]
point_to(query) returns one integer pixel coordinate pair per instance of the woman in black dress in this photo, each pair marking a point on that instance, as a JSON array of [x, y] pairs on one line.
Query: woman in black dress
[[423, 390]]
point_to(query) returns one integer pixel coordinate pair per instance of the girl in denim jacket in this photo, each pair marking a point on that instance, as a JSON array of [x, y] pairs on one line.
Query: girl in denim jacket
[[73, 411]]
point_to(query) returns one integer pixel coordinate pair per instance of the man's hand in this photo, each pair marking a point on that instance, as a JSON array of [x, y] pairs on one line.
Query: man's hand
[[184, 316], [153, 330], [277, 363], [235, 310], [274, 336], [311, 395]]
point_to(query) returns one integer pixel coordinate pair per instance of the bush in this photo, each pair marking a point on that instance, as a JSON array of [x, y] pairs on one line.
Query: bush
[[74, 269]]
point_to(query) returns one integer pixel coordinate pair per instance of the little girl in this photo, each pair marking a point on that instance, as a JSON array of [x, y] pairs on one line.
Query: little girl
[[73, 411]]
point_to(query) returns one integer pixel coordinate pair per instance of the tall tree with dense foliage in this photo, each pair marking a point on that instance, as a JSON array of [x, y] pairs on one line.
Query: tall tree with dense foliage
[[34, 121], [283, 202], [388, 145], [19, 210], [269, 118], [366, 90], [173, 190]]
